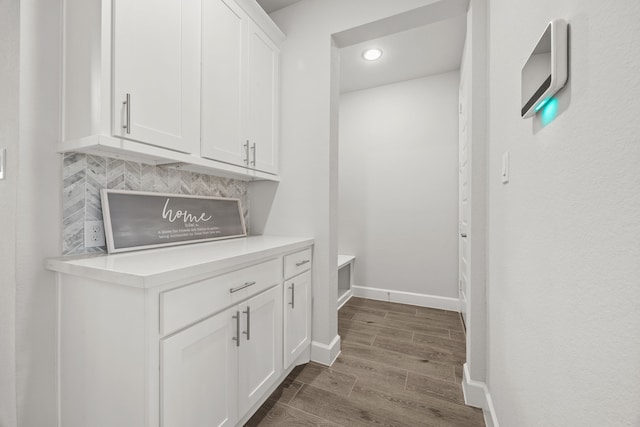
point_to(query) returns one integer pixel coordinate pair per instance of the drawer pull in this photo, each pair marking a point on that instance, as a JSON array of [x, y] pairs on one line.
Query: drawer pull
[[248, 332], [237, 337], [293, 295], [301, 263], [239, 288]]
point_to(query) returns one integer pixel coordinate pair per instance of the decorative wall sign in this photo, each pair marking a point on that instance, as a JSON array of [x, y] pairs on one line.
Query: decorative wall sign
[[138, 220]]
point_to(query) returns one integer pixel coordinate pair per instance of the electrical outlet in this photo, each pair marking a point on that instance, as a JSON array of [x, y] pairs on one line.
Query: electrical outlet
[[93, 234]]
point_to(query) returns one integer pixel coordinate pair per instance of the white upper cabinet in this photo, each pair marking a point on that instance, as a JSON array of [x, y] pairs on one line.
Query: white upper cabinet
[[262, 99], [156, 72], [191, 83], [131, 79], [223, 69], [240, 83]]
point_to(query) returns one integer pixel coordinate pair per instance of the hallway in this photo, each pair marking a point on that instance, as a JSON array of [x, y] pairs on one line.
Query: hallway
[[400, 365]]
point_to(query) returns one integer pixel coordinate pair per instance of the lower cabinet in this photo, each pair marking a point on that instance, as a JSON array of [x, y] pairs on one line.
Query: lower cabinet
[[297, 319], [199, 369], [260, 346], [204, 347], [221, 367]]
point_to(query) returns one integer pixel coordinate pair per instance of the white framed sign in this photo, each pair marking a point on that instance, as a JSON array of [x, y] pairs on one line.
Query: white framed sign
[[136, 220]]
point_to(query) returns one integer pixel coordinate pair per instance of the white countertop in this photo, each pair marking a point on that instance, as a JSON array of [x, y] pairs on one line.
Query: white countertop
[[154, 267]]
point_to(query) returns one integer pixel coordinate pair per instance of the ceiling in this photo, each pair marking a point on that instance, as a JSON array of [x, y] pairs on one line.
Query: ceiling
[[427, 50], [421, 51], [273, 5]]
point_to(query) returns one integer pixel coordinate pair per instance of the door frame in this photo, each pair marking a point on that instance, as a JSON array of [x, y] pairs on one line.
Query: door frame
[[477, 337]]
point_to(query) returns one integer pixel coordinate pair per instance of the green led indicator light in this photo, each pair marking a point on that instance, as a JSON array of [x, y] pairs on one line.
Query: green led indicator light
[[549, 111], [542, 104]]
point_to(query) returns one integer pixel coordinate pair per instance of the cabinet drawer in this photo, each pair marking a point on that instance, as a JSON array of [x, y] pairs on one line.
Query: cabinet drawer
[[296, 263], [183, 306]]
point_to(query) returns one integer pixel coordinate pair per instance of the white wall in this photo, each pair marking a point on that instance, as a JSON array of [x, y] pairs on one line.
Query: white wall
[[398, 205], [305, 202], [38, 223], [564, 291], [9, 78]]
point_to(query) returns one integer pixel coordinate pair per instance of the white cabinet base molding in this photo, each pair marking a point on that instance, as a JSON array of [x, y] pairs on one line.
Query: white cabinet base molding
[[178, 337]]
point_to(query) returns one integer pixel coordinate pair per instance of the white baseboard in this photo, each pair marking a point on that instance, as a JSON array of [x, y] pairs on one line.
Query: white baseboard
[[325, 354], [421, 300], [476, 393], [344, 298], [490, 418]]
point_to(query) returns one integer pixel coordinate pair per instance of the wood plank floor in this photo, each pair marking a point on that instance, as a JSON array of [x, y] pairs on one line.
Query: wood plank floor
[[400, 365]]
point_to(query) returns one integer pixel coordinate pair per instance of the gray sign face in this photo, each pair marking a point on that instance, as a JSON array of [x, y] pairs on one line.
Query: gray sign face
[[136, 220]]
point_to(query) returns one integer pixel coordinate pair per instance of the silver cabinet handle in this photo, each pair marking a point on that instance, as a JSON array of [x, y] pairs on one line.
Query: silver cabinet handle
[[239, 288], [298, 264], [237, 337], [127, 104], [253, 149], [293, 295], [248, 331], [246, 152]]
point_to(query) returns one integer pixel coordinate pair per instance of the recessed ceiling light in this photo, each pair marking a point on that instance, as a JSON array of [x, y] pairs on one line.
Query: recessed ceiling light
[[372, 54]]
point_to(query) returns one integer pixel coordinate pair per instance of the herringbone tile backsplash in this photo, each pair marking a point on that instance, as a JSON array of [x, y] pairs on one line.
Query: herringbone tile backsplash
[[85, 175]]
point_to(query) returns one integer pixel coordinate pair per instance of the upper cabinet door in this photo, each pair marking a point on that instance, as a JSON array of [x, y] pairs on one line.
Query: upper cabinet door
[[156, 54], [262, 99], [224, 25]]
